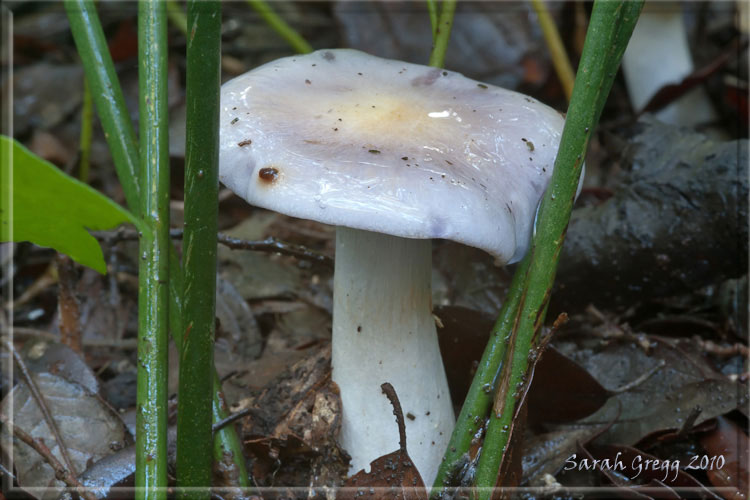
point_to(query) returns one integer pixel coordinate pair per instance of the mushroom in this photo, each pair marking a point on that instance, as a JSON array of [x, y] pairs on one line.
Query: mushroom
[[394, 154]]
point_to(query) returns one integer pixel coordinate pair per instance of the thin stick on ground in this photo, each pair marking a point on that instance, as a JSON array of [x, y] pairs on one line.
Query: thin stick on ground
[[269, 245], [273, 245], [61, 472], [39, 398]]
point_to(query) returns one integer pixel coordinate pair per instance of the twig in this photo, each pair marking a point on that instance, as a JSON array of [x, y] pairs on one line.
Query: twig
[[41, 284], [712, 347], [269, 244], [231, 418], [61, 473], [690, 420], [638, 381], [22, 332], [39, 398], [5, 471], [390, 393], [273, 245]]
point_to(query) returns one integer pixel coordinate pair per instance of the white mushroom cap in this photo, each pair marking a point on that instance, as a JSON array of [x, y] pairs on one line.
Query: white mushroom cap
[[350, 139]]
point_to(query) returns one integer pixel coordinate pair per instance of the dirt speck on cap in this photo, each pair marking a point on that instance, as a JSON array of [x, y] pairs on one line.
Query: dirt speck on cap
[[268, 175]]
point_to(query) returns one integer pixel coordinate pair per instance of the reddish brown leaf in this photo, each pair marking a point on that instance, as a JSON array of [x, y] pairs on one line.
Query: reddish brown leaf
[[124, 43], [511, 471], [463, 335], [391, 476], [671, 92], [562, 390], [729, 445]]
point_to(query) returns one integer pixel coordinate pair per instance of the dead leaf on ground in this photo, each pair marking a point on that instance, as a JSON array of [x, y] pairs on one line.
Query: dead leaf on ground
[[511, 467], [58, 359], [562, 390], [89, 429], [104, 310], [680, 380], [729, 442], [546, 453], [293, 430], [468, 277], [392, 476], [257, 275], [238, 337]]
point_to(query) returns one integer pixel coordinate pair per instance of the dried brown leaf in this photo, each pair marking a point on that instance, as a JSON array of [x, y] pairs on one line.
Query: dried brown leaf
[[392, 476], [89, 429]]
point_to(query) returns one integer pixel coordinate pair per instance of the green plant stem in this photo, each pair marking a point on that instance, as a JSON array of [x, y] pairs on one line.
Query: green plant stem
[[110, 106], [177, 16], [87, 121], [281, 27], [481, 392], [194, 411], [442, 33], [432, 10], [105, 87], [153, 271], [227, 447], [611, 25], [560, 59]]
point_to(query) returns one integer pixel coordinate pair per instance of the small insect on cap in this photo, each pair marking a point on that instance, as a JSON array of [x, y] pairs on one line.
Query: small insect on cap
[[346, 138]]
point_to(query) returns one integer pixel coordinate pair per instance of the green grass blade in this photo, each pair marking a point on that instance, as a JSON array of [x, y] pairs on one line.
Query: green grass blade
[[611, 25], [294, 39], [84, 24], [105, 87], [480, 394], [442, 33], [432, 11], [177, 16], [87, 132], [153, 271], [194, 435]]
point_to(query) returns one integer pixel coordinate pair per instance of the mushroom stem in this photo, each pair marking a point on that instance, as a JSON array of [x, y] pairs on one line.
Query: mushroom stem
[[384, 331]]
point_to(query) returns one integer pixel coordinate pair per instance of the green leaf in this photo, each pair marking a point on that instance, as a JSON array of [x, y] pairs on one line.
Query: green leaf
[[52, 209]]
